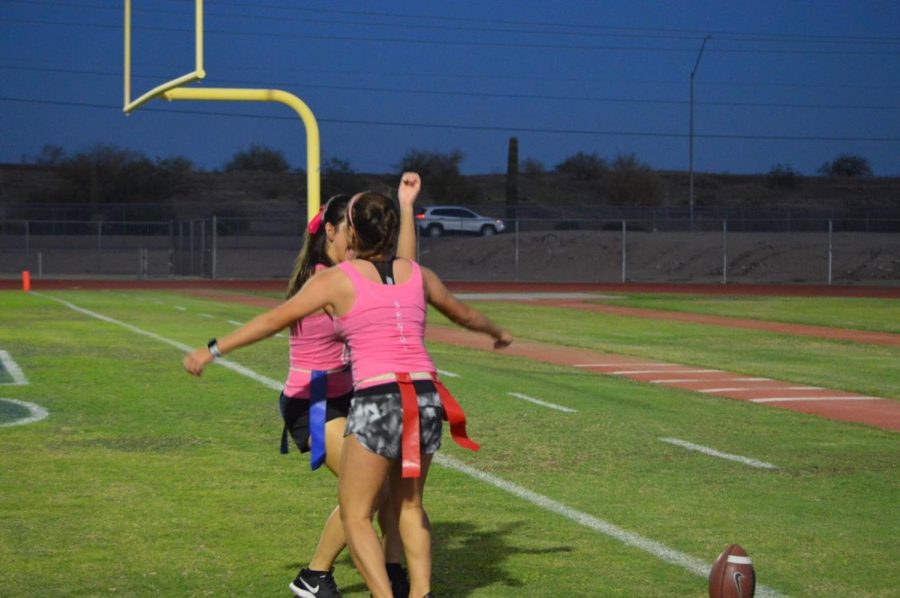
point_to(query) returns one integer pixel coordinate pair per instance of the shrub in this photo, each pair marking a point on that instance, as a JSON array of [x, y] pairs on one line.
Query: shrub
[[847, 166], [259, 158], [583, 167], [631, 182], [782, 176]]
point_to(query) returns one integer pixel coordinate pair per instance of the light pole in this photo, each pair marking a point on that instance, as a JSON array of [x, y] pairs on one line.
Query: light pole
[[691, 143]]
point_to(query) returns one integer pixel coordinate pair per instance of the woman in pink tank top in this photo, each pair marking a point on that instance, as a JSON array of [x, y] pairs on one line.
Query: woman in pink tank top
[[379, 306], [316, 396]]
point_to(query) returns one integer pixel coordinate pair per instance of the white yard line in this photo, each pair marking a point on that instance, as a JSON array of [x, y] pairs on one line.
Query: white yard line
[[694, 565], [10, 365], [180, 308], [273, 384], [519, 395], [714, 453], [37, 413], [657, 549], [235, 323], [447, 374]]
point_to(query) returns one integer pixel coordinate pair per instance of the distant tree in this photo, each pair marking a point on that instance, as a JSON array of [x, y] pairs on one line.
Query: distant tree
[[338, 177], [259, 158], [847, 166], [441, 179], [532, 168], [50, 155], [110, 174], [106, 173], [781, 175], [631, 182], [175, 175], [583, 167]]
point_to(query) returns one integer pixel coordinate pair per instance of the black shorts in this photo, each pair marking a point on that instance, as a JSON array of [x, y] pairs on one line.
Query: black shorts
[[296, 416], [376, 418]]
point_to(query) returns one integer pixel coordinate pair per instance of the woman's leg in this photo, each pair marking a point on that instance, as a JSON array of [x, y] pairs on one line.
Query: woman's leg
[[332, 540], [362, 476], [415, 529], [390, 532]]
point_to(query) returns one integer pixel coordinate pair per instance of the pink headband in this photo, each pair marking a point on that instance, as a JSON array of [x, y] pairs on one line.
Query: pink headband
[[350, 209], [316, 223]]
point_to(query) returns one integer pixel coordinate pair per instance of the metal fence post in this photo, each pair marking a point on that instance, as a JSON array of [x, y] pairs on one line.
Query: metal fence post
[[829, 251], [517, 250], [215, 238], [725, 252], [202, 248], [623, 251], [27, 238]]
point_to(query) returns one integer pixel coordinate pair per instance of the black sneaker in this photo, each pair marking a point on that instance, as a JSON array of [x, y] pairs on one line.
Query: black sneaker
[[315, 584], [399, 581]]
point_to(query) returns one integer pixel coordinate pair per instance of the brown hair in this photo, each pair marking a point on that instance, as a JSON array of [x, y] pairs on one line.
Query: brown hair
[[376, 222], [314, 250]]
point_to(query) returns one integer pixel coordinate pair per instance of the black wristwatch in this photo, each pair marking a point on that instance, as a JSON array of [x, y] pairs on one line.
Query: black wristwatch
[[213, 347]]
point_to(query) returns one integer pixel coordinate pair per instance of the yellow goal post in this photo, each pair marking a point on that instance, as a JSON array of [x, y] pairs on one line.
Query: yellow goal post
[[176, 89]]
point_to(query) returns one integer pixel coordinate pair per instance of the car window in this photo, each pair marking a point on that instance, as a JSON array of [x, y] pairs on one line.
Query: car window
[[442, 212], [462, 213]]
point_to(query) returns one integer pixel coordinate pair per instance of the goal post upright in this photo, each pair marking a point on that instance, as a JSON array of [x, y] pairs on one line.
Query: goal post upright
[[176, 89]]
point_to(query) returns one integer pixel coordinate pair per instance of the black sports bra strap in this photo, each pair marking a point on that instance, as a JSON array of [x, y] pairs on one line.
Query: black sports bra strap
[[385, 270]]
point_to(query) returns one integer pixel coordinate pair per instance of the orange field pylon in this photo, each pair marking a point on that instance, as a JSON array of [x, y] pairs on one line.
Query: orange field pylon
[[26, 280]]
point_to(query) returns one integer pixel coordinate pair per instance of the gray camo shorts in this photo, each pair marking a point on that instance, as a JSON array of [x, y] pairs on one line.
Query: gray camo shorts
[[376, 419]]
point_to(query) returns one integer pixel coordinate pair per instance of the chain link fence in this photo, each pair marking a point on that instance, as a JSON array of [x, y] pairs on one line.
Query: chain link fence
[[741, 247]]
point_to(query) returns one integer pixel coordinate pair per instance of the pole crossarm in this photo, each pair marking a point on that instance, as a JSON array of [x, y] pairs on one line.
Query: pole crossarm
[[269, 95]]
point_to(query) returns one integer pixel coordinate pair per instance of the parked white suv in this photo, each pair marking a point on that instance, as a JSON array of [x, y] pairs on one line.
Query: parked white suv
[[434, 221]]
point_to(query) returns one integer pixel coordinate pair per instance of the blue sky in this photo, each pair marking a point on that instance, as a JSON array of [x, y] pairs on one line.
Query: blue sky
[[788, 82]]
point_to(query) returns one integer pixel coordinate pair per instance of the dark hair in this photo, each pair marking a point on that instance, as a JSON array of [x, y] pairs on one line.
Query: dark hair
[[314, 250], [376, 222]]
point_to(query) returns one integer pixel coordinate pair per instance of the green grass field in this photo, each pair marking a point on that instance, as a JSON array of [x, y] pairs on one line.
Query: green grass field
[[144, 481]]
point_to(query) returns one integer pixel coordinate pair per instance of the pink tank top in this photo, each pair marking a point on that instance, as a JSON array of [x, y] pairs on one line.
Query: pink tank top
[[315, 345], [385, 328]]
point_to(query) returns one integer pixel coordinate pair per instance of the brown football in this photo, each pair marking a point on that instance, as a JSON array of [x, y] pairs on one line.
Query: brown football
[[732, 575]]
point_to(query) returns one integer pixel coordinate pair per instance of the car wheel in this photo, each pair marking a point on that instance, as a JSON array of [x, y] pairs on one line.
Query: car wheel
[[435, 230], [488, 230]]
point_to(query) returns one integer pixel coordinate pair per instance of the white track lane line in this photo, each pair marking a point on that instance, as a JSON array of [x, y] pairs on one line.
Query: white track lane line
[[678, 380], [629, 372], [37, 413], [694, 565], [519, 395], [714, 453], [811, 399], [10, 365], [625, 363], [759, 389]]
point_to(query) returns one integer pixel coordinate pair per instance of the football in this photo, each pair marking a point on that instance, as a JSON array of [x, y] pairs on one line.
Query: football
[[732, 575]]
